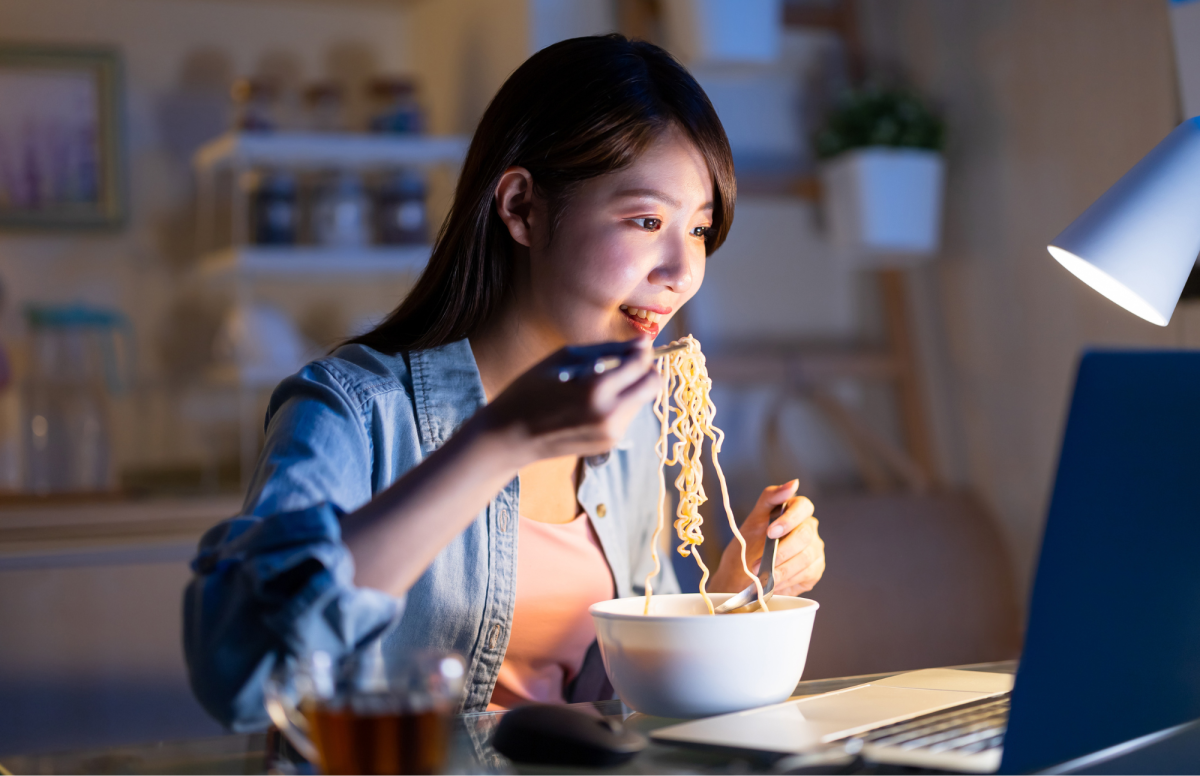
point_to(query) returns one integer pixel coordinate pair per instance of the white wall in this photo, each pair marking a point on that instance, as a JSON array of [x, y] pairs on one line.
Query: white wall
[[1047, 104], [553, 20], [464, 51]]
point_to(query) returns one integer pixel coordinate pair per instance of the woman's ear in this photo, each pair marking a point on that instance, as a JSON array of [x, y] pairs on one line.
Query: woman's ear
[[514, 203]]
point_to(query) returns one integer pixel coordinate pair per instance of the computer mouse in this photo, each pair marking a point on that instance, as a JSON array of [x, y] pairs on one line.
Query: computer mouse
[[560, 735]]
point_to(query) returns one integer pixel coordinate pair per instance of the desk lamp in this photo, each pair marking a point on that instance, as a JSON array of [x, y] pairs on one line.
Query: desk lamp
[[1138, 242]]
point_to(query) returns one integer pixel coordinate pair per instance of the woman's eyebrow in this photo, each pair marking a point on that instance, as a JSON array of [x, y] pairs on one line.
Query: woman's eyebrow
[[661, 196]]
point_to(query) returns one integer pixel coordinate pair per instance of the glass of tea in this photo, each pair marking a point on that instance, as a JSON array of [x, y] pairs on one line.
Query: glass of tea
[[368, 714]]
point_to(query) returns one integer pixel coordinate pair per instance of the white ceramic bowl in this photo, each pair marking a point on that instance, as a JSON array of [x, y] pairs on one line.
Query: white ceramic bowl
[[681, 661]]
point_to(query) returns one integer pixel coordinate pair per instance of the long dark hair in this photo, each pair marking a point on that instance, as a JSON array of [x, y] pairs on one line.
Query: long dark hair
[[575, 110]]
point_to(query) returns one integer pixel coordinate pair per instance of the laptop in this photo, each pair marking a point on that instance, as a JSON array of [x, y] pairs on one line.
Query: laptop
[[1112, 644]]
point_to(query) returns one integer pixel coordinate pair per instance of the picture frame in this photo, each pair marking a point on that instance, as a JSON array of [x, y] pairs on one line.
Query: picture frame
[[62, 155]]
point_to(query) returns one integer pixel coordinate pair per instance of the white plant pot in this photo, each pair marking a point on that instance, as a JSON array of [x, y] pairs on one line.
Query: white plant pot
[[883, 206]]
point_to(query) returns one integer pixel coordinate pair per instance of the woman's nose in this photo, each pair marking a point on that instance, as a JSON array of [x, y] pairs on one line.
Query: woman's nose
[[674, 270]]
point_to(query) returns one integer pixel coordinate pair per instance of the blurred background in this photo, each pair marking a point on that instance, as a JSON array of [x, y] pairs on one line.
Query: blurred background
[[198, 196]]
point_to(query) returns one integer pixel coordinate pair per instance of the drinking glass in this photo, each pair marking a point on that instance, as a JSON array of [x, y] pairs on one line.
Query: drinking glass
[[368, 714]]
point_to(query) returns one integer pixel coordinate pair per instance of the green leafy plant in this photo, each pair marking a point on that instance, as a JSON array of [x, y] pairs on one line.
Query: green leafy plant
[[880, 117]]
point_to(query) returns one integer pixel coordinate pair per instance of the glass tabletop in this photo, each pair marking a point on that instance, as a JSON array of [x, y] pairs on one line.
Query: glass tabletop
[[249, 752]]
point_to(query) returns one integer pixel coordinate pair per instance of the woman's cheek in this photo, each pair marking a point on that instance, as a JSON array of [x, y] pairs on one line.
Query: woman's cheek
[[698, 266], [616, 271]]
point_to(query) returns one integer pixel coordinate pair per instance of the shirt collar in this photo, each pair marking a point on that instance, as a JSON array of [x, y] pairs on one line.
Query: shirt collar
[[447, 390]]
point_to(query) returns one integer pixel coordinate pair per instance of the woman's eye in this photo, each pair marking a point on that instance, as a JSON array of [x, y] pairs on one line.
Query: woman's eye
[[649, 224], [701, 231]]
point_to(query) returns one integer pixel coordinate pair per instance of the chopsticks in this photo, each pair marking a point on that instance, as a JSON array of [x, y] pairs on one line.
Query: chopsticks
[[663, 350], [602, 365]]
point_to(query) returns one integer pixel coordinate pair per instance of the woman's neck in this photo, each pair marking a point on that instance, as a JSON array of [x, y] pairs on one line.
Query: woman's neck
[[509, 346]]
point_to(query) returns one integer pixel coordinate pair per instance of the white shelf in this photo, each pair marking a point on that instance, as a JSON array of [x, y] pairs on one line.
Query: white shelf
[[262, 261], [329, 149]]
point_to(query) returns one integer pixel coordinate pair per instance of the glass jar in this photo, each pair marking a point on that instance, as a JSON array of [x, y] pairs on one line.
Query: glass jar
[[254, 104], [78, 356], [326, 104], [396, 109], [274, 212], [341, 211], [400, 215]]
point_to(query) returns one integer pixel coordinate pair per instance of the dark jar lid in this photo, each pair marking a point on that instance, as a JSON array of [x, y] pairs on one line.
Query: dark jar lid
[[391, 87]]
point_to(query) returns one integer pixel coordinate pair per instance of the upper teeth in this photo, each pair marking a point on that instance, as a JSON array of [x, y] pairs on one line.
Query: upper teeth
[[640, 313]]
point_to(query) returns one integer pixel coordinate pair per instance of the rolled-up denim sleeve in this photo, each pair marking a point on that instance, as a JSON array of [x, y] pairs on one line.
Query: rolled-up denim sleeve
[[278, 580]]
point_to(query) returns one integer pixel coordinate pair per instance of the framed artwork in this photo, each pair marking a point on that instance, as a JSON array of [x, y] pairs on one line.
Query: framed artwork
[[61, 143]]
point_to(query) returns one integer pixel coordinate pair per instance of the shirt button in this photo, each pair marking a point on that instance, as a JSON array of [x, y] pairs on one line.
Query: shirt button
[[601, 510], [503, 520]]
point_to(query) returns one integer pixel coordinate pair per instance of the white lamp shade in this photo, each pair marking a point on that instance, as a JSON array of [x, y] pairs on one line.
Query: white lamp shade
[[1138, 242]]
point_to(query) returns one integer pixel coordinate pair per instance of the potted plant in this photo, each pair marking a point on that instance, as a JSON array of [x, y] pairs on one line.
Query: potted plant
[[882, 178]]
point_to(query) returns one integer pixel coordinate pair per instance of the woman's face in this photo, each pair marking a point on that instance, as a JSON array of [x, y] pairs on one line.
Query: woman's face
[[628, 251]]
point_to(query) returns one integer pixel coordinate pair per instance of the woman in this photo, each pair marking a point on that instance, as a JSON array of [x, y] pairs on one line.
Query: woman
[[399, 472]]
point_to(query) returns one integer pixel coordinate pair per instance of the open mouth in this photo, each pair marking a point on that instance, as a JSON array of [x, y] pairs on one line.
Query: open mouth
[[645, 321]]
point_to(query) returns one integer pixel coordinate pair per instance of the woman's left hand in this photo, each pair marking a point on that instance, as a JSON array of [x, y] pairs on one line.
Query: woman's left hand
[[800, 557]]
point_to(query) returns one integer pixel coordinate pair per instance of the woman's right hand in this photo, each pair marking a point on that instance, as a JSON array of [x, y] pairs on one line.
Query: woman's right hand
[[587, 415]]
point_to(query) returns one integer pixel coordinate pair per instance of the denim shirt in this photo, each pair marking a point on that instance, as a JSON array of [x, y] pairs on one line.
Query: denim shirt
[[277, 581]]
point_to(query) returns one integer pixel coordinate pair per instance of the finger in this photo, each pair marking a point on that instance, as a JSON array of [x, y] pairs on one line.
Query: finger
[[800, 537], [798, 566], [804, 579], [577, 353], [790, 556], [770, 498], [643, 390], [807, 581], [802, 586], [794, 564], [633, 369], [775, 495], [583, 363], [797, 510]]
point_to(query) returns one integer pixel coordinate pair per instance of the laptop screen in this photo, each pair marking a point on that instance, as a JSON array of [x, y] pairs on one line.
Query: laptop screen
[[1112, 649]]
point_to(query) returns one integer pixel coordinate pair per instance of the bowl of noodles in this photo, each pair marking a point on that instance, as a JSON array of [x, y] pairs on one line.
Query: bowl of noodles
[[670, 655], [680, 661]]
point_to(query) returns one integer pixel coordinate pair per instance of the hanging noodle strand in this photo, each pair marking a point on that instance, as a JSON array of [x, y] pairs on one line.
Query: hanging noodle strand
[[685, 410]]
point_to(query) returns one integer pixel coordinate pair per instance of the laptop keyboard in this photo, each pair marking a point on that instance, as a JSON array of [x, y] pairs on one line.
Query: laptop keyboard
[[975, 727]]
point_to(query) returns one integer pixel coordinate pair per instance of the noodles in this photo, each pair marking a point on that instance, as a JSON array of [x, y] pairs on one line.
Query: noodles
[[689, 419]]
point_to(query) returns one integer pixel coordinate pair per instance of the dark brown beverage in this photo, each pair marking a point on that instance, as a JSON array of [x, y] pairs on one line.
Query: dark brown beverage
[[367, 734]]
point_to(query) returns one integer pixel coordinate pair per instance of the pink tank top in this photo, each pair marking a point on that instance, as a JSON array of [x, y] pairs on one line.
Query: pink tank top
[[561, 571]]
